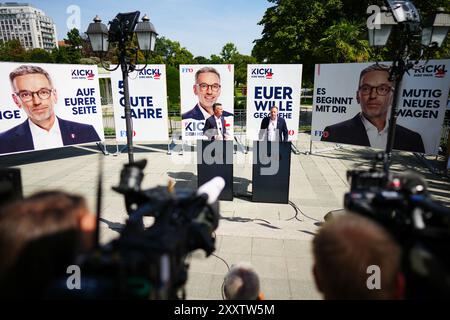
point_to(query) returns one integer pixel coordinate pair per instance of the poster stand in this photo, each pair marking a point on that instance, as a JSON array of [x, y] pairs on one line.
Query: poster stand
[[102, 146], [427, 163], [336, 147], [240, 145]]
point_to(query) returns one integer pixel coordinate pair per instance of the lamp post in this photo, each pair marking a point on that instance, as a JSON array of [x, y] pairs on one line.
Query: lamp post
[[121, 31], [416, 42]]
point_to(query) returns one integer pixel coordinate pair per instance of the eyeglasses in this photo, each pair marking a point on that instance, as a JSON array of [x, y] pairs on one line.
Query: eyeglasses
[[27, 96], [214, 87], [381, 90]]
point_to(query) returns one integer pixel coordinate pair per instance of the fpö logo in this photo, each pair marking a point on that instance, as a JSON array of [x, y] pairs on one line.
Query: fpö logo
[[82, 74], [187, 70], [431, 70], [123, 133], [150, 74], [261, 73]]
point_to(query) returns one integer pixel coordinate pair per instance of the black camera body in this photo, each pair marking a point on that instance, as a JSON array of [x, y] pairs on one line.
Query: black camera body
[[401, 204], [149, 262]]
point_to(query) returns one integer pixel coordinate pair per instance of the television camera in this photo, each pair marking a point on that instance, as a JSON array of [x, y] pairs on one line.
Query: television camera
[[401, 203], [150, 262]]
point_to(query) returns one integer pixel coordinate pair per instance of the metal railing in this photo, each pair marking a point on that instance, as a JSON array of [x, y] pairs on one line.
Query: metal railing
[[240, 120]]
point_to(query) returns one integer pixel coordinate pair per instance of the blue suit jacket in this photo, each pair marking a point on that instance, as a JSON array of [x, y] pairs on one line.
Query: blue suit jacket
[[196, 114], [281, 127], [19, 138], [352, 131], [210, 129]]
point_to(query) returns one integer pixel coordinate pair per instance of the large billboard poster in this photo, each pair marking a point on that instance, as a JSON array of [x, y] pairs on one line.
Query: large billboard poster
[[44, 106], [271, 85], [148, 103], [200, 87], [352, 104]]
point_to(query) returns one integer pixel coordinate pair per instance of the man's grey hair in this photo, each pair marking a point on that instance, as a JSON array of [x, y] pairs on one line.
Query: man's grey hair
[[241, 283], [206, 70], [374, 67], [28, 69]]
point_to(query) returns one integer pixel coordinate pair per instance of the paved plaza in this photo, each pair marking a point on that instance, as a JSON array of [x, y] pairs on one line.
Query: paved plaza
[[274, 238]]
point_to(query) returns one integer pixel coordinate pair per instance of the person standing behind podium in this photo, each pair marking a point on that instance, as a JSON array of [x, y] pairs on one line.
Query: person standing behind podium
[[273, 124], [214, 127]]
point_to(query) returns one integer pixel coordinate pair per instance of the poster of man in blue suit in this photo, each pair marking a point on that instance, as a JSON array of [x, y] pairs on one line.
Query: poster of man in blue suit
[[33, 91]]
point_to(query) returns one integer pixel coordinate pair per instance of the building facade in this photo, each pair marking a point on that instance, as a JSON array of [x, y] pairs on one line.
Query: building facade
[[27, 24]]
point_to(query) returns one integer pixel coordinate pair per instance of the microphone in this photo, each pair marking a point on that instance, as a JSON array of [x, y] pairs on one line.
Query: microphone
[[212, 189]]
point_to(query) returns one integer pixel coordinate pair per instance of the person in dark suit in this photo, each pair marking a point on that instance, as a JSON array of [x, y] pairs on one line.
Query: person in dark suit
[[370, 127], [273, 128], [33, 91], [215, 128], [207, 88]]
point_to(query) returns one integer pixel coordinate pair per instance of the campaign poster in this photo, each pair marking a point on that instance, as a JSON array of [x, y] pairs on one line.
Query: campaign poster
[[200, 87], [352, 105], [148, 103], [271, 85], [45, 106]]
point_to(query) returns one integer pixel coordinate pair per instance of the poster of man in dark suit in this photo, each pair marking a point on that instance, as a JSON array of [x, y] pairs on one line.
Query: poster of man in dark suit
[[207, 88], [273, 128], [370, 127], [34, 92]]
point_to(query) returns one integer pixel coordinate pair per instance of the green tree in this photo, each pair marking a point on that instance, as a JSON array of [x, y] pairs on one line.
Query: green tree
[[343, 42], [12, 51], [240, 62], [215, 59], [201, 60], [172, 52], [61, 55], [38, 55], [173, 87], [74, 38], [302, 32], [228, 51]]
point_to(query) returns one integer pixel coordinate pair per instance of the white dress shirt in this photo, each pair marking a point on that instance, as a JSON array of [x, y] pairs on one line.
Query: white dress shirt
[[43, 139], [219, 128], [205, 113], [272, 130], [377, 139]]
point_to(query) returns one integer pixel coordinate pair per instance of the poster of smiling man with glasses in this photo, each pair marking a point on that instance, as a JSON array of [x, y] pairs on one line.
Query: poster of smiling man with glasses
[[201, 86], [341, 116], [35, 96]]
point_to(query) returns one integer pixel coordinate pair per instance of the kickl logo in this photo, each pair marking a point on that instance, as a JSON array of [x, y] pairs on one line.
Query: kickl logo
[[150, 74], [437, 71], [261, 73], [82, 74], [440, 73]]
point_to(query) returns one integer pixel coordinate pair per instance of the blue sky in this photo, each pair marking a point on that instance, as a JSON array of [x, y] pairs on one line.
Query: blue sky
[[202, 26]]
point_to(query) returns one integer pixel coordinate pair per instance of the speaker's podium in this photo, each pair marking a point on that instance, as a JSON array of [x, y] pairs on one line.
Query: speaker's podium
[[215, 158], [271, 171]]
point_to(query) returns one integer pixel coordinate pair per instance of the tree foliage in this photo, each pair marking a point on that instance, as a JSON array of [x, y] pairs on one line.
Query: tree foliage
[[172, 52], [228, 51], [12, 51], [311, 31]]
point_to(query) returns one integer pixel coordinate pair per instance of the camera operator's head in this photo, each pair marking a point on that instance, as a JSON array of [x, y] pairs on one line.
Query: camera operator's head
[[39, 238], [241, 283], [355, 258]]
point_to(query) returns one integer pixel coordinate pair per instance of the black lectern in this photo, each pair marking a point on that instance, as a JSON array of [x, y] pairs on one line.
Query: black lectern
[[271, 171], [215, 158]]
